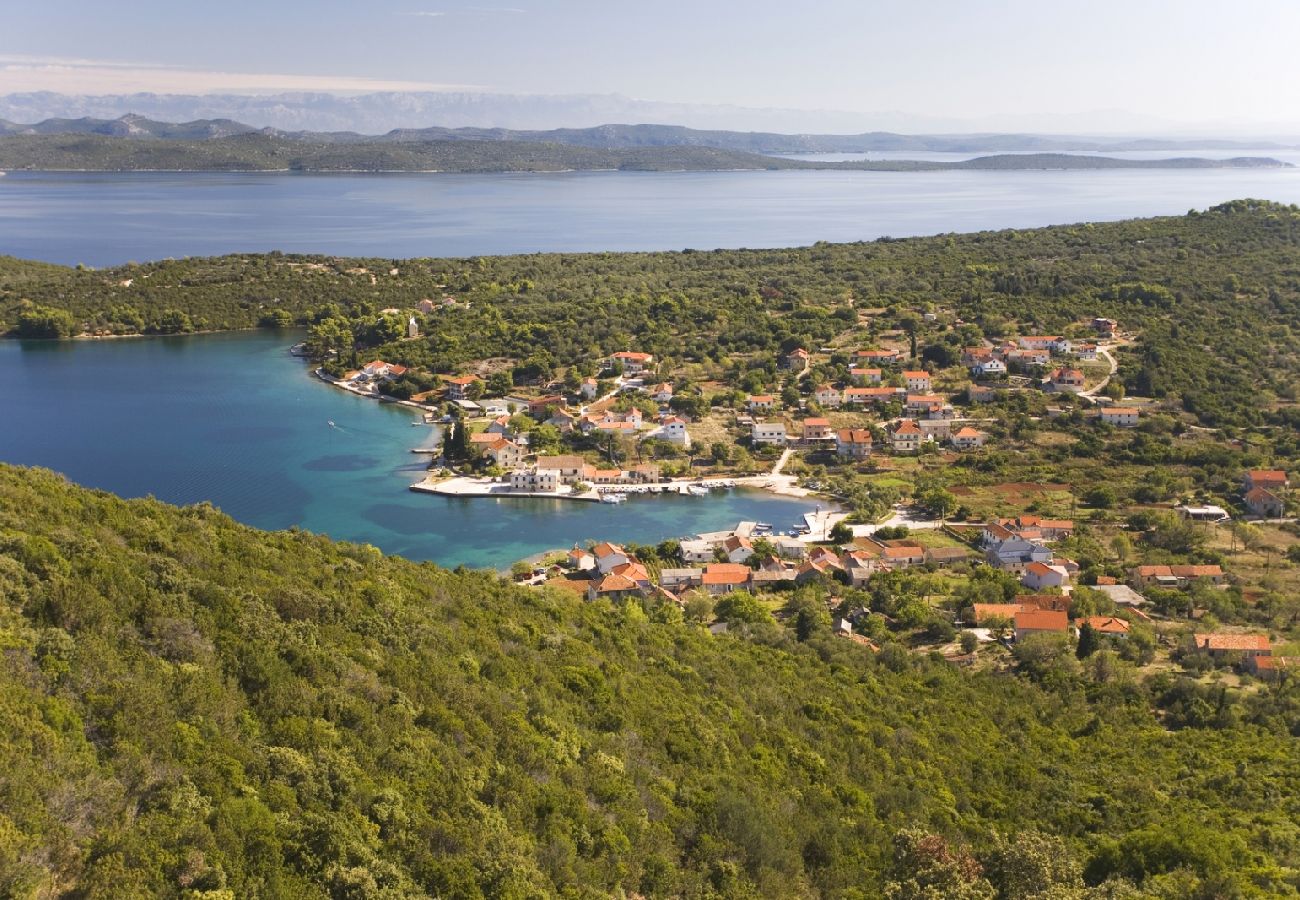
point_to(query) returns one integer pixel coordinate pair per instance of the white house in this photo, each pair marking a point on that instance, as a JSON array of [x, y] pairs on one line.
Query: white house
[[907, 437], [412, 327], [968, 438], [535, 480], [1039, 575], [769, 433], [989, 368], [631, 362], [588, 389], [696, 551], [918, 381], [673, 430], [828, 396], [1123, 416], [610, 556], [760, 402], [737, 548]]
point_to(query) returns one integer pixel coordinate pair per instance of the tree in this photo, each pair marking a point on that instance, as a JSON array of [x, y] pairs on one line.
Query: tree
[[1089, 641], [841, 533], [44, 322], [926, 867], [969, 642], [1033, 865]]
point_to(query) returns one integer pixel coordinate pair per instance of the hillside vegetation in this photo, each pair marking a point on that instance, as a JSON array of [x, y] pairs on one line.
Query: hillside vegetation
[[193, 708]]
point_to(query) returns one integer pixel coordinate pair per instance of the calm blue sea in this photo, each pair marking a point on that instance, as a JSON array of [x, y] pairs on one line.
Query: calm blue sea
[[107, 218]]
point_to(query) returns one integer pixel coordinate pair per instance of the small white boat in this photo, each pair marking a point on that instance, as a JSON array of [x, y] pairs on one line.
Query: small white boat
[[331, 424], [697, 490], [613, 498]]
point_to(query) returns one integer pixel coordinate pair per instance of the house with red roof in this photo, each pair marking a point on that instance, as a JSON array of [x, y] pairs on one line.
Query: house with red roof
[[1066, 380], [967, 438], [1120, 416], [828, 396], [917, 380], [1264, 503], [817, 430], [1219, 645], [796, 360], [631, 362], [723, 578], [1039, 575], [907, 437], [1268, 479], [1040, 621], [853, 443], [1110, 626]]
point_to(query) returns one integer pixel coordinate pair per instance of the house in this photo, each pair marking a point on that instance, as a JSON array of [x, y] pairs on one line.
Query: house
[[1040, 621], [500, 426], [425, 306], [544, 406], [968, 438], [946, 556], [865, 376], [1248, 645], [1015, 553], [609, 557], [1086, 352], [580, 560], [662, 393], [828, 395], [459, 386], [989, 368], [696, 551], [535, 480], [1038, 528], [760, 402], [1264, 503], [1063, 346], [412, 327], [853, 443], [917, 380], [973, 356], [855, 396], [1176, 576], [860, 566], [768, 433], [796, 360], [567, 469], [1268, 479], [1028, 359], [737, 548], [631, 363], [673, 430], [1039, 341], [923, 402], [589, 388], [377, 369], [1107, 625], [613, 587], [506, 453], [817, 430], [644, 473], [935, 429], [1065, 380], [903, 557], [877, 357], [980, 393], [1271, 667], [1105, 327], [1040, 575], [906, 437], [1122, 416], [677, 580], [723, 578], [563, 419], [788, 547]]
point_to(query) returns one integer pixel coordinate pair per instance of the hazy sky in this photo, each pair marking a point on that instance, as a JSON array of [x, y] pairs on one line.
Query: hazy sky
[[1186, 61]]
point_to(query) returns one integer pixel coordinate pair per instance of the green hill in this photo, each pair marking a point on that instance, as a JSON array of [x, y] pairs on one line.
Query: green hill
[[193, 708]]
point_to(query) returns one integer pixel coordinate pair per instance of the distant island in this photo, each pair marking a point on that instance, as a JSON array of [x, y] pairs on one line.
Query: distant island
[[261, 151]]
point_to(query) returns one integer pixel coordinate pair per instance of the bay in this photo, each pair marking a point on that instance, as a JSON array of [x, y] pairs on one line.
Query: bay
[[105, 219], [235, 420]]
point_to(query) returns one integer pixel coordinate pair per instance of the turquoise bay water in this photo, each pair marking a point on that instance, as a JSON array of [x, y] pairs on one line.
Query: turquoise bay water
[[234, 419]]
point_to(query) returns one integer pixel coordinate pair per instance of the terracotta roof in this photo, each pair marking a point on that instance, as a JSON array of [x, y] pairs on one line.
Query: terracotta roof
[[968, 432], [1038, 568], [902, 552], [605, 549], [907, 426], [736, 542], [627, 354], [816, 423], [916, 373], [986, 611], [1227, 642], [1103, 624], [1267, 476], [855, 435], [615, 582], [725, 573], [460, 379], [1042, 620], [760, 398], [1120, 410]]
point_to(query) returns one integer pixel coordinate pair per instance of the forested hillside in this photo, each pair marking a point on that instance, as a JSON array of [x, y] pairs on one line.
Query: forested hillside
[[192, 708], [1214, 297]]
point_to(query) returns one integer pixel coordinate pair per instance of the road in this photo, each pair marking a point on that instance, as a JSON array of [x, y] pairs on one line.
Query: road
[[1101, 385]]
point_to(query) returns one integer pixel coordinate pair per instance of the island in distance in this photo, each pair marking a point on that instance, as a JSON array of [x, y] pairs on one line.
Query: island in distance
[[132, 143]]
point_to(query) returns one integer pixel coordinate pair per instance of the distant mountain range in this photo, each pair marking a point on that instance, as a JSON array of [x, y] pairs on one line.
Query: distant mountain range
[[612, 137]]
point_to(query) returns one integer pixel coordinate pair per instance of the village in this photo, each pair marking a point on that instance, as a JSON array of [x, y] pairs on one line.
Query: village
[[988, 585]]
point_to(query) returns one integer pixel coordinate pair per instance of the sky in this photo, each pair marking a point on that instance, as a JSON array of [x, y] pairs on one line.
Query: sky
[[1148, 62]]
